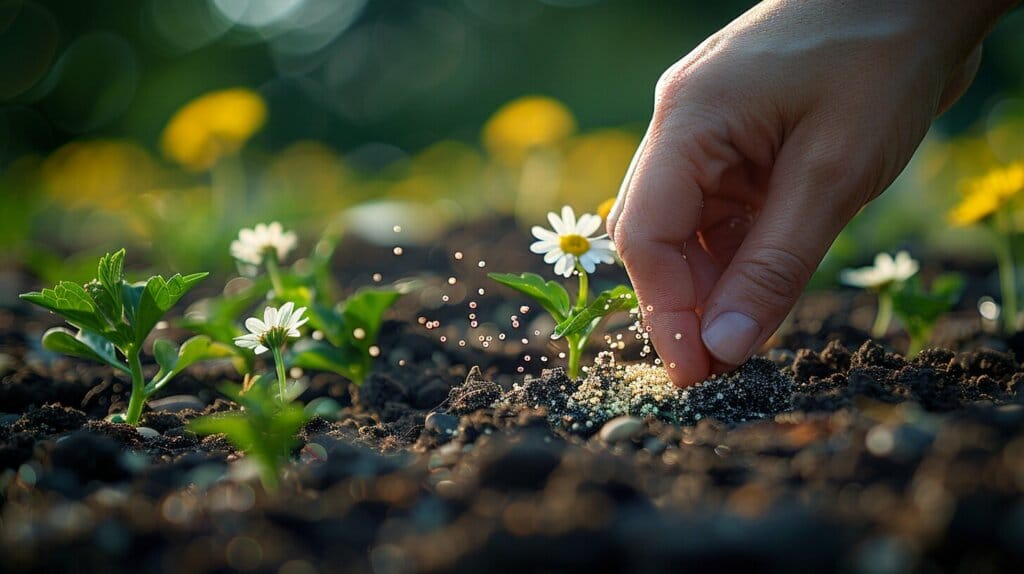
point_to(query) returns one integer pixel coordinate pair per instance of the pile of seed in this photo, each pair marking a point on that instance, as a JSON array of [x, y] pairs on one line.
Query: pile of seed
[[758, 389]]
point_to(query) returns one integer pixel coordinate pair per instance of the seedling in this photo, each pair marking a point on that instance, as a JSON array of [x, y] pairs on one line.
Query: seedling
[[272, 334], [886, 276], [264, 429], [919, 308], [989, 201], [112, 319], [572, 248]]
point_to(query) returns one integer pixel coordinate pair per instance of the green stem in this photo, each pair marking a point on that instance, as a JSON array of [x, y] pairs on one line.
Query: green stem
[[279, 363], [274, 272], [883, 318], [138, 396], [1007, 271], [576, 352], [584, 292], [917, 342]]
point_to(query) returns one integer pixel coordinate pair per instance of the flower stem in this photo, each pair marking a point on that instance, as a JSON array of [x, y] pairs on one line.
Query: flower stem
[[884, 315], [279, 363], [274, 272], [1007, 270], [576, 344], [584, 292], [138, 395]]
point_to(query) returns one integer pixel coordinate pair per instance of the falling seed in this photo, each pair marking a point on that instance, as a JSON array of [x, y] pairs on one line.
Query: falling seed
[[678, 336], [377, 277], [480, 291], [295, 373], [458, 256], [462, 342], [561, 355], [445, 298], [318, 335], [401, 362], [501, 336], [525, 341], [444, 339], [452, 280], [524, 309], [536, 332], [397, 228], [481, 264], [543, 359], [520, 369], [649, 308], [375, 351], [474, 324], [526, 358], [472, 304], [421, 320], [359, 333], [397, 250], [671, 365], [472, 316]]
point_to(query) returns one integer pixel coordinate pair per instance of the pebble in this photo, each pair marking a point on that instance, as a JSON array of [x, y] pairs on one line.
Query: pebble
[[177, 403], [146, 432], [621, 428], [441, 423]]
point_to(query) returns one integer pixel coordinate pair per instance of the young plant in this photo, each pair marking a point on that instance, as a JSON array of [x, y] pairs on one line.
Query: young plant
[[989, 201], [572, 248], [264, 429], [919, 308], [112, 319], [884, 278], [272, 334]]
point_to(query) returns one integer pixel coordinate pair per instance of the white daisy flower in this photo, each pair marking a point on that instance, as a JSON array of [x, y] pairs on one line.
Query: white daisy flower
[[572, 242], [275, 328], [253, 244], [886, 270]]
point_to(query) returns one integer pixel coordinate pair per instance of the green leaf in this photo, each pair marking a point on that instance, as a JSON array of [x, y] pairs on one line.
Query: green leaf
[[232, 424], [173, 360], [345, 360], [583, 321], [919, 308], [552, 296], [85, 345], [110, 277], [71, 301], [365, 310], [158, 296]]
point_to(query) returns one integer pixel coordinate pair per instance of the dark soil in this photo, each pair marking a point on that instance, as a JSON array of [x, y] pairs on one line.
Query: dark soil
[[832, 453]]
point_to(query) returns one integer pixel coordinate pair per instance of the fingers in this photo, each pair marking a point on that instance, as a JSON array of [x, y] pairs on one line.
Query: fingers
[[655, 233], [814, 190]]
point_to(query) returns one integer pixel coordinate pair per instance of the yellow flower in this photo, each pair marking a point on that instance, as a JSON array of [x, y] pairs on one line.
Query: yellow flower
[[106, 173], [984, 195], [527, 123], [212, 126], [605, 208]]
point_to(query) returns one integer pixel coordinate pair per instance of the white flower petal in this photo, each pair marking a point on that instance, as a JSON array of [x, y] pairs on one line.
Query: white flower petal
[[588, 224], [260, 349], [553, 255], [543, 233], [556, 223], [588, 263], [565, 265], [543, 246], [255, 326], [568, 220]]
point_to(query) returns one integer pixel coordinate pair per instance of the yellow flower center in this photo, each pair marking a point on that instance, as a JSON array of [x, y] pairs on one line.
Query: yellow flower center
[[574, 244]]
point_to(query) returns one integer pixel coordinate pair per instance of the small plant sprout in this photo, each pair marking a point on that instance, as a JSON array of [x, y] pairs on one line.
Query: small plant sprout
[[572, 248], [989, 201], [919, 308], [112, 319], [264, 429], [272, 334], [883, 278], [265, 244]]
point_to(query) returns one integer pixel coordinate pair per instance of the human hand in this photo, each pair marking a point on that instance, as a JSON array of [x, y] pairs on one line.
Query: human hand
[[765, 141]]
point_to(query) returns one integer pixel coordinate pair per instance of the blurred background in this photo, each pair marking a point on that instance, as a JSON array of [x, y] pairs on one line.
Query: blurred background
[[165, 126]]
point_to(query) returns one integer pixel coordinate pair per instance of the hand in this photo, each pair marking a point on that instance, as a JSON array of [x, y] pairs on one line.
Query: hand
[[765, 141]]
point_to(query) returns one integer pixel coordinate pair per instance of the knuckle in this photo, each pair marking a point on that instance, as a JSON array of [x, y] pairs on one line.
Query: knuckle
[[776, 277]]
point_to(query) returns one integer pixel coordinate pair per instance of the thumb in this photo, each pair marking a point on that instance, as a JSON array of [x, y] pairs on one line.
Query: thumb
[[814, 190]]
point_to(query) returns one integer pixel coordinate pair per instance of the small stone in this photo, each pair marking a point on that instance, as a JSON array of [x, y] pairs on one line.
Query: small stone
[[146, 432], [441, 423], [621, 428], [448, 489], [177, 403]]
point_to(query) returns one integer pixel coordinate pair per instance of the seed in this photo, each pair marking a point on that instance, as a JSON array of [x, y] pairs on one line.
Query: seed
[[458, 256], [452, 280], [397, 251]]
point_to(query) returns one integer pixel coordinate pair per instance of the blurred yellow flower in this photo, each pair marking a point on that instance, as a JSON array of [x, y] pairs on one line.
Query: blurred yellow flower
[[984, 195], [104, 173], [212, 126], [605, 208], [527, 123]]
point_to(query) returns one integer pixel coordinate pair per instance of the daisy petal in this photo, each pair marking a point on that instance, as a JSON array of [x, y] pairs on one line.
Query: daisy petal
[[543, 234], [556, 223], [255, 325], [568, 219], [588, 224], [553, 255]]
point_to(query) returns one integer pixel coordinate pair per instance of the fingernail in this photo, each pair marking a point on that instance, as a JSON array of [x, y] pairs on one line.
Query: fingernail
[[731, 337]]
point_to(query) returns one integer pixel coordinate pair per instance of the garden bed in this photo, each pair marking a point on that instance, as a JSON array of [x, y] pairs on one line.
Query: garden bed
[[832, 453]]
